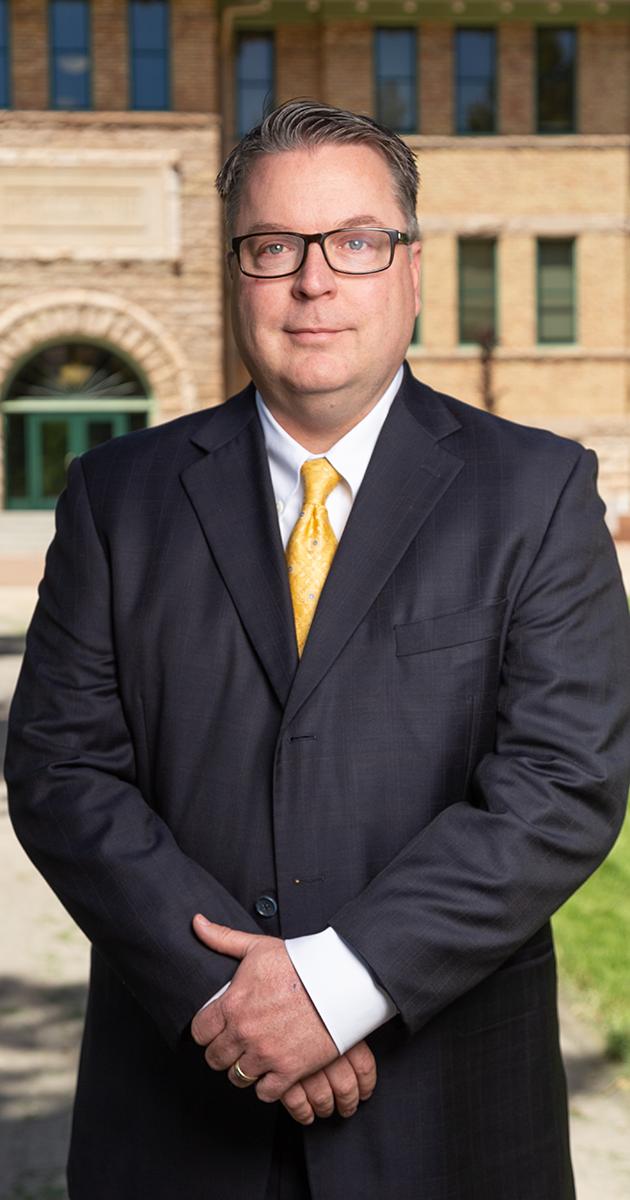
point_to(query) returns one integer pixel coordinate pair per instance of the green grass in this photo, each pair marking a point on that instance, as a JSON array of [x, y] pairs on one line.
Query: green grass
[[593, 940]]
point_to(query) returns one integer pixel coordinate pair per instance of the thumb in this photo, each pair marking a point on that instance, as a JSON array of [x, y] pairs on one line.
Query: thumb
[[234, 942]]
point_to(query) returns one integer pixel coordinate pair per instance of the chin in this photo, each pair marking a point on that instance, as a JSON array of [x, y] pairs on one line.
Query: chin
[[315, 374]]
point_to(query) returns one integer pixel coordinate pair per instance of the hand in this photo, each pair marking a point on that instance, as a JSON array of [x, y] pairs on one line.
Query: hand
[[266, 1018], [350, 1078]]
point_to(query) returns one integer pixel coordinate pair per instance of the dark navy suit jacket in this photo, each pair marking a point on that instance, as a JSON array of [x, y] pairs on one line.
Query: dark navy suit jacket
[[444, 766]]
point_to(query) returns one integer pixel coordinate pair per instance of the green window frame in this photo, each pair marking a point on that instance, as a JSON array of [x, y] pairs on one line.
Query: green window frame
[[396, 78], [477, 306], [476, 80], [254, 77], [5, 57], [556, 79], [70, 54], [556, 291], [149, 55]]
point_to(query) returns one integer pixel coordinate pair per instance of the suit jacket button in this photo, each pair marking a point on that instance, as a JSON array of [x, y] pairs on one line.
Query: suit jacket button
[[266, 906]]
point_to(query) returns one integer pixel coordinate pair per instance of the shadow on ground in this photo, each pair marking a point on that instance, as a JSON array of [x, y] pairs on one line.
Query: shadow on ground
[[40, 1027]]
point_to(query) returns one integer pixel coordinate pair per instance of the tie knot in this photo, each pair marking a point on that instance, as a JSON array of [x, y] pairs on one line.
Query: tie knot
[[319, 478]]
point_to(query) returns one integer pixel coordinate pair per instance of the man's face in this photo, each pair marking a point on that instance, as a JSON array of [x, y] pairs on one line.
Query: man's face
[[320, 337]]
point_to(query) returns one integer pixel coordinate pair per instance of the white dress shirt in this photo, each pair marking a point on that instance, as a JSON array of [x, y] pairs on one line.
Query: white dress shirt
[[347, 997]]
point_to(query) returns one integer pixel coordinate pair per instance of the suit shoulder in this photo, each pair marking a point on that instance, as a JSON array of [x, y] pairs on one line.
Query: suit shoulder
[[479, 428]]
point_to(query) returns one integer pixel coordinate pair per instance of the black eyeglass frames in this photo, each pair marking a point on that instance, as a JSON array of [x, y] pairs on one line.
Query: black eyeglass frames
[[347, 251]]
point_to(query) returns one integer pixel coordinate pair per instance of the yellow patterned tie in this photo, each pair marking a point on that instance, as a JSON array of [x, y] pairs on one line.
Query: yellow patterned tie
[[311, 547]]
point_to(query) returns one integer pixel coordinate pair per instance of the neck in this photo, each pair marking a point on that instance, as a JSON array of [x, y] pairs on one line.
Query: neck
[[317, 422]]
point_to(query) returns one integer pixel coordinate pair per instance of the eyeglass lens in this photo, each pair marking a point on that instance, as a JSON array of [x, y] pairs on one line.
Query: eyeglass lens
[[353, 251]]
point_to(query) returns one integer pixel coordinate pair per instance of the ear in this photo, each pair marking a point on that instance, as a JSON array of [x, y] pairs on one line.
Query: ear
[[415, 255]]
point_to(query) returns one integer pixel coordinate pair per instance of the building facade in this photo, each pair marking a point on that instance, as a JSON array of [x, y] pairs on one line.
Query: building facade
[[115, 118]]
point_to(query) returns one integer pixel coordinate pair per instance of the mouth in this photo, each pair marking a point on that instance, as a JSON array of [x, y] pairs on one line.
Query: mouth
[[313, 333]]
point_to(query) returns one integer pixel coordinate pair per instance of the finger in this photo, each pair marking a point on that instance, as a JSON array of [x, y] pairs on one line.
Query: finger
[[208, 1023], [297, 1105], [237, 1079], [344, 1084], [234, 942], [363, 1063], [319, 1093], [272, 1086], [224, 1050]]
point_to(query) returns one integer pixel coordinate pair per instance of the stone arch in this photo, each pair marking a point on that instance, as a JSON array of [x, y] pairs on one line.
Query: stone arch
[[102, 317]]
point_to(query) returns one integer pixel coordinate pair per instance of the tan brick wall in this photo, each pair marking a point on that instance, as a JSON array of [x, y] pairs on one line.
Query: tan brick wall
[[436, 79], [29, 54], [516, 291], [298, 62], [516, 77], [195, 57], [110, 55], [603, 90], [602, 290], [347, 69], [439, 292]]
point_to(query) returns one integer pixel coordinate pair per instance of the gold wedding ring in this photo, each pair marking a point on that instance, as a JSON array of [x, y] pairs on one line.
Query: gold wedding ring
[[241, 1074]]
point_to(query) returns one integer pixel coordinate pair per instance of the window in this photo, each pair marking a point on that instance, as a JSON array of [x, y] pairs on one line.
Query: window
[[556, 290], [475, 80], [556, 53], [395, 67], [5, 90], [149, 54], [254, 79], [477, 301], [70, 53]]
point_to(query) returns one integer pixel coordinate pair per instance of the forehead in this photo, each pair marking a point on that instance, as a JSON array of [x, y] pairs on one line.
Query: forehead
[[317, 188]]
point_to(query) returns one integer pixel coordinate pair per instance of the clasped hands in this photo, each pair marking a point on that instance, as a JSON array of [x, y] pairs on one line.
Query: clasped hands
[[267, 1022]]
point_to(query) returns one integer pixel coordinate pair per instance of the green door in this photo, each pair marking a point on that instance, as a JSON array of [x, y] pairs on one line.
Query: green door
[[50, 442]]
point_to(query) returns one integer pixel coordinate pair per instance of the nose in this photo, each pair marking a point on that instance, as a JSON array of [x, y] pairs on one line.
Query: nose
[[315, 277]]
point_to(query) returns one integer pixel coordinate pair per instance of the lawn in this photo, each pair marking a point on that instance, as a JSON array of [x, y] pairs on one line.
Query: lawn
[[593, 941]]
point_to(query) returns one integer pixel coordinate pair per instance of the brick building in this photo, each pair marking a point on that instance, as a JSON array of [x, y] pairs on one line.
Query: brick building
[[114, 120]]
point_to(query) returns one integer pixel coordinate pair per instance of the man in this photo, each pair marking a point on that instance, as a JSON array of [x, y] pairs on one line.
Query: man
[[342, 667]]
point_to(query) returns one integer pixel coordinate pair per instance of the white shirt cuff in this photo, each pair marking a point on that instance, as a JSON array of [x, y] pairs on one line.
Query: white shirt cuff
[[349, 1001]]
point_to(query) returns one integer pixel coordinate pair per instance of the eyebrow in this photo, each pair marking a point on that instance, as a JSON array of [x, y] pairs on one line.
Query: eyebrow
[[349, 223]]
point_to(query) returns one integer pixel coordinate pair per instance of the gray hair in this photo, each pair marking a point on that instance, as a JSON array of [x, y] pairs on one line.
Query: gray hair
[[300, 124]]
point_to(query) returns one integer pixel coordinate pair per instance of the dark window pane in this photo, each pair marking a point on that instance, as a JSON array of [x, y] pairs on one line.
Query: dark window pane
[[16, 456], [149, 25], [69, 24], [395, 52], [556, 304], [255, 60], [137, 421], [71, 81], [476, 80], [396, 104], [54, 448], [556, 80], [395, 70], [98, 432], [476, 290], [475, 52], [150, 81], [69, 33], [4, 78], [254, 79], [475, 107]]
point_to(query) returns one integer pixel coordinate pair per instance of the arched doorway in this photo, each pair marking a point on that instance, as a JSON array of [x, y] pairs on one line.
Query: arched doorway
[[64, 399]]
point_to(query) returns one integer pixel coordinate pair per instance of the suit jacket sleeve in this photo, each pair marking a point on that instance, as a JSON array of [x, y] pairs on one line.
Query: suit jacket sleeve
[[547, 803], [73, 797]]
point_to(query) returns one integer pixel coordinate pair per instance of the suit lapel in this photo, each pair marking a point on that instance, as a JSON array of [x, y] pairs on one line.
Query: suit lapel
[[230, 490], [407, 474]]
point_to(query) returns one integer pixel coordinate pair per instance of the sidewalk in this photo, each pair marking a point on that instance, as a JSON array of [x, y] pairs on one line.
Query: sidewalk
[[42, 991]]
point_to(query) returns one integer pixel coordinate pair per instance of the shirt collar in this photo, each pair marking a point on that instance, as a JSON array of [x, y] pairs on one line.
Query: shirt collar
[[349, 456]]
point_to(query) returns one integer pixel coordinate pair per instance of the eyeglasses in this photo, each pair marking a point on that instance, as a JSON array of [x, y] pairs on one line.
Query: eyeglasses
[[347, 251]]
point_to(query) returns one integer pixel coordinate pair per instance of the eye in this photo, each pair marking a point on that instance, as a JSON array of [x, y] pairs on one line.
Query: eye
[[356, 244], [273, 248]]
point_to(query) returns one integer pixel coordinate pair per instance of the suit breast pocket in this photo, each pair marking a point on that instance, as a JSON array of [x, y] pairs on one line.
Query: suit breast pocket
[[457, 650]]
